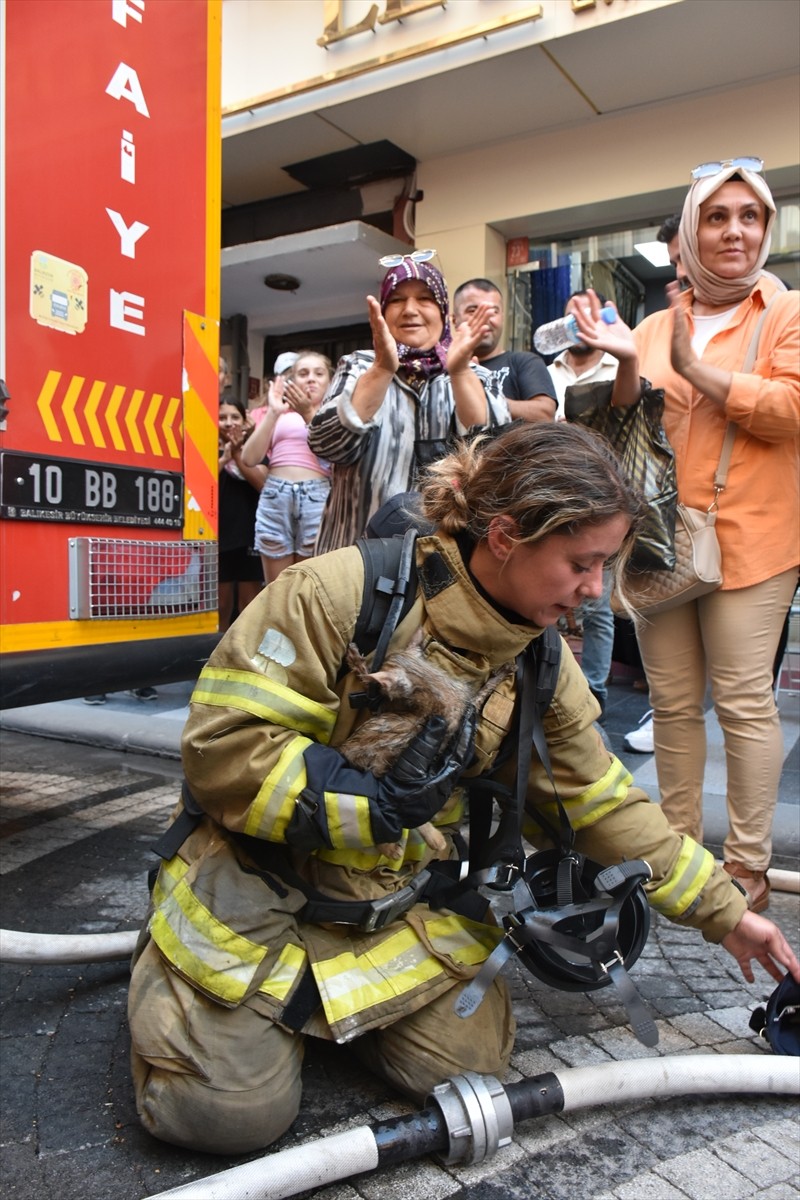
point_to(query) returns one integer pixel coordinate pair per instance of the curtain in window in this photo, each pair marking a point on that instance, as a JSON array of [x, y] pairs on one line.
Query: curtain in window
[[550, 291]]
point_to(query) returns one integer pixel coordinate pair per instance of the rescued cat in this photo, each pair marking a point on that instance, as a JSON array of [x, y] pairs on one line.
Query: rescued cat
[[413, 689]]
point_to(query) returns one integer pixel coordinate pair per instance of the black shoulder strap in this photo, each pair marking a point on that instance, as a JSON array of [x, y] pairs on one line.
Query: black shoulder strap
[[390, 571], [548, 663], [389, 590], [537, 677], [390, 586]]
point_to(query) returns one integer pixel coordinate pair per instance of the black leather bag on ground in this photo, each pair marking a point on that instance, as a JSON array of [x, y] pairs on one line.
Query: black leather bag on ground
[[637, 435]]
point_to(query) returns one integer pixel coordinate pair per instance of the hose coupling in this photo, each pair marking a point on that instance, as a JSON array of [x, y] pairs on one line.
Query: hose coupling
[[478, 1116]]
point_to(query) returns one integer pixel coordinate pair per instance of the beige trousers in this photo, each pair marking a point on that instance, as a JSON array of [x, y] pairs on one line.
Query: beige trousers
[[728, 638], [227, 1080]]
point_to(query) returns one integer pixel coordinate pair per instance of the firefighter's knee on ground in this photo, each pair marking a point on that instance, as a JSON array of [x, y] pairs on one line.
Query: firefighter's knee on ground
[[186, 1111], [207, 1077]]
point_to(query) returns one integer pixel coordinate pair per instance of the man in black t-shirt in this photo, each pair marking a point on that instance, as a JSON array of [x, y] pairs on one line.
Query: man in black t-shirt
[[519, 375]]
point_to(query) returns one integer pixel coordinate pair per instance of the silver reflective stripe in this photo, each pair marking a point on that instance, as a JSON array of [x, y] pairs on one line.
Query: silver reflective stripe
[[694, 868], [265, 698], [273, 807], [213, 955]]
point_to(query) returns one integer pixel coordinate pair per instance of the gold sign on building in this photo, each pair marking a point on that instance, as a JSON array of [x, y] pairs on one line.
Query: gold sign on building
[[395, 10]]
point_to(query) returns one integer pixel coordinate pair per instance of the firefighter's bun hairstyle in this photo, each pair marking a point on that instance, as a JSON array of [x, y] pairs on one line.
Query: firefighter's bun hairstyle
[[550, 477]]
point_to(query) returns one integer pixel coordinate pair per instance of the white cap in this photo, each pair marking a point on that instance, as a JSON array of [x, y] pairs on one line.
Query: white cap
[[285, 362]]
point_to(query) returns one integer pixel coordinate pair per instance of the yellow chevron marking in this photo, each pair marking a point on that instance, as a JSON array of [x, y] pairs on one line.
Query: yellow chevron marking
[[111, 417], [90, 412], [130, 420], [43, 402], [166, 428], [68, 408], [150, 423]]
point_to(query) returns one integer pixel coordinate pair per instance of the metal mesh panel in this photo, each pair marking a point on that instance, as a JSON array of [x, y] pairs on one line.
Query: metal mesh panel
[[110, 578]]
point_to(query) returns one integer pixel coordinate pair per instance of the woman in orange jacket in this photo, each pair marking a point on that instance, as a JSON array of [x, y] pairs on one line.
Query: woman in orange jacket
[[695, 351]]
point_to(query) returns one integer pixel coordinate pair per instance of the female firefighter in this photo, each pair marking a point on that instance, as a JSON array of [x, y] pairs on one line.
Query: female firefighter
[[231, 974]]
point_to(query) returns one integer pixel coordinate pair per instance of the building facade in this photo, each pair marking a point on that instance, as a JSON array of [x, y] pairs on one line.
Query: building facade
[[512, 137]]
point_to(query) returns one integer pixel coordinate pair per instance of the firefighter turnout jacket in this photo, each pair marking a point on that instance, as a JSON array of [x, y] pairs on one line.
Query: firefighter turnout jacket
[[225, 912]]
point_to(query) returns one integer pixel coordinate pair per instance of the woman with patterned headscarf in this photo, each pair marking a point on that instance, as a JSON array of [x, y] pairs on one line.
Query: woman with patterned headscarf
[[695, 350], [395, 408]]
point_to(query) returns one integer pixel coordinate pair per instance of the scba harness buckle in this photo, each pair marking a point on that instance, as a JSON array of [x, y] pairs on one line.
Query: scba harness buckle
[[581, 927], [389, 908]]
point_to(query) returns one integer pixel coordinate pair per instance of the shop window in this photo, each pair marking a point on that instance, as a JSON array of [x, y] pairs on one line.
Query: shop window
[[609, 262]]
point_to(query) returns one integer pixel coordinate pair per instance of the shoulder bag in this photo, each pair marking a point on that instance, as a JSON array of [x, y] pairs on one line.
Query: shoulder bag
[[648, 460], [698, 558]]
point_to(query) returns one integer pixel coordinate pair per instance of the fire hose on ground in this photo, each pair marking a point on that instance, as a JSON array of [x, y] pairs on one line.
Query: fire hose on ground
[[57, 948], [469, 1117], [52, 949]]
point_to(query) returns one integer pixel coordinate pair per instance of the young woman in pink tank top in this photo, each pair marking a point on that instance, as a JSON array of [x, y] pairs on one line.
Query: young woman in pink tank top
[[294, 495]]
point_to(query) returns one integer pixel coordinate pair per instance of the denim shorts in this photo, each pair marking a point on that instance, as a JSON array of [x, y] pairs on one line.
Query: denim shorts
[[288, 516]]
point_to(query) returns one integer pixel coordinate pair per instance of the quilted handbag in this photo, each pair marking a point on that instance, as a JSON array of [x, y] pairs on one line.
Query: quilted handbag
[[697, 570], [638, 437], [698, 560]]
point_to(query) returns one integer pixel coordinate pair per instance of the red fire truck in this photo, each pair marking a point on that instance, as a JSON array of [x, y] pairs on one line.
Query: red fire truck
[[109, 343]]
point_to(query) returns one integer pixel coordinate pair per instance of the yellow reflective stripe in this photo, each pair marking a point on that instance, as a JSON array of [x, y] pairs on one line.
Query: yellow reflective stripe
[[290, 964], [454, 812], [462, 940], [213, 955], [692, 871], [264, 698], [273, 807], [350, 983], [171, 872], [360, 860], [348, 820], [416, 847], [596, 801], [413, 847]]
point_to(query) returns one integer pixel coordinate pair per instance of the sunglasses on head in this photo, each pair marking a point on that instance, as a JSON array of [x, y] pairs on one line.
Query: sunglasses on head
[[417, 256], [714, 168]]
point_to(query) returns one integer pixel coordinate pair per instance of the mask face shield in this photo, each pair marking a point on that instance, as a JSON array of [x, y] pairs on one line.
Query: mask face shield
[[578, 927]]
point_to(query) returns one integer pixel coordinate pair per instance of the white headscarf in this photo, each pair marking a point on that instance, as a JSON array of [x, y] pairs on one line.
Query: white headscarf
[[708, 287]]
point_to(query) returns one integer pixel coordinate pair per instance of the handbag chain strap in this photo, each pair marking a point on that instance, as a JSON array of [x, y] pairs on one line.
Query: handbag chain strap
[[721, 474]]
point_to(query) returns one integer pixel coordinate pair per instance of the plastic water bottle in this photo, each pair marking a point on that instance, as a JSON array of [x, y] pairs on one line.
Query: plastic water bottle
[[557, 335]]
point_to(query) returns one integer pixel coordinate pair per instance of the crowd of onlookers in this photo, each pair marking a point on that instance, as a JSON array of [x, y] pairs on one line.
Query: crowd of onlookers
[[305, 472], [302, 470]]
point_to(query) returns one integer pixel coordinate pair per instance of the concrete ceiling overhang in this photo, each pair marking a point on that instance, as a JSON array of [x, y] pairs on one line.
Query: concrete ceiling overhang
[[336, 267], [679, 50]]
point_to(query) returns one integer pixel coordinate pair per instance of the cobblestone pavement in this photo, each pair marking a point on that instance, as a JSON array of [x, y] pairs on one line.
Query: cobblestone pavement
[[77, 824]]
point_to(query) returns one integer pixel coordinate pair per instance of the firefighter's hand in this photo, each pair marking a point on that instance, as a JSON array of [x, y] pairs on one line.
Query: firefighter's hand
[[757, 938], [420, 782], [406, 797]]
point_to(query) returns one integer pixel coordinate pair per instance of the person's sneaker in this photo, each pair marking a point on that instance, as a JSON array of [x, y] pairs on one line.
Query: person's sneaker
[[145, 693], [641, 740], [99, 699]]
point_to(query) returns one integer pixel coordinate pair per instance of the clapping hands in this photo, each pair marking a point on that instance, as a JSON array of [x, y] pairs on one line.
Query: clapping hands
[[467, 337], [296, 400]]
